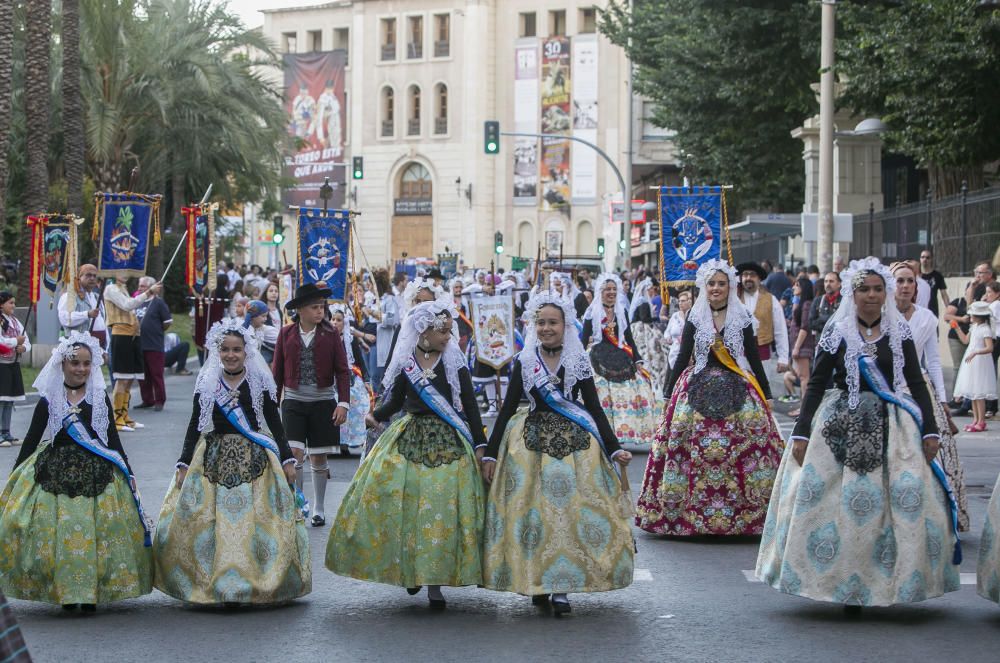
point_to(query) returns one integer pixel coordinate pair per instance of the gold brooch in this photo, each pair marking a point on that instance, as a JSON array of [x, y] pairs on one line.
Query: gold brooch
[[428, 373]]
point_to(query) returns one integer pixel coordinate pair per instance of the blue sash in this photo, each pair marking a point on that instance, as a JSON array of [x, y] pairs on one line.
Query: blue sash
[[878, 384], [438, 404], [79, 433], [235, 415], [543, 381]]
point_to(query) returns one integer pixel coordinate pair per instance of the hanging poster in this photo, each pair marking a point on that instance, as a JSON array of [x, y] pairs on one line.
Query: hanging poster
[[526, 120], [324, 241], [693, 220], [125, 226], [493, 320], [555, 104], [314, 100], [585, 85], [200, 272]]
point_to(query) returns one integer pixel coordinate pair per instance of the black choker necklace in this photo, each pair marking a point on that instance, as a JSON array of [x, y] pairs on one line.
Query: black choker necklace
[[76, 388], [233, 374], [552, 352], [869, 327], [718, 311]]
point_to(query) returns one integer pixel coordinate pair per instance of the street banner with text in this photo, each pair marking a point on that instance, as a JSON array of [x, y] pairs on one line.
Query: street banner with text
[[526, 121], [585, 85], [555, 96]]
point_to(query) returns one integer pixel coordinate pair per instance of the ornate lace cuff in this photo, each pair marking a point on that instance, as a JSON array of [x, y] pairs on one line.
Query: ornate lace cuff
[[489, 458], [930, 435], [290, 461], [617, 452], [181, 465], [480, 446], [346, 406], [798, 437]]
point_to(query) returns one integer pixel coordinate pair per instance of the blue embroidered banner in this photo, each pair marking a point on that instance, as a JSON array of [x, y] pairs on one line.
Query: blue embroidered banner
[[692, 220], [125, 226], [324, 246]]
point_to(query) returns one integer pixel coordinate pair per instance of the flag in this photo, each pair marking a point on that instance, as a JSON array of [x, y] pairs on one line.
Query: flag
[[692, 220], [448, 264], [53, 256], [125, 224], [200, 271], [493, 324], [324, 247]]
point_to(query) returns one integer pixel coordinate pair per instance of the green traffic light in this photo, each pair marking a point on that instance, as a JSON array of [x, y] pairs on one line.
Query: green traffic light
[[491, 147], [357, 174], [500, 249], [278, 238]]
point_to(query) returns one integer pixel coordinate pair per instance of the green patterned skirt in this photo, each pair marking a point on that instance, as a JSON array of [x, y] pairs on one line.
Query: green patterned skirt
[[557, 519], [232, 534], [413, 514], [80, 544]]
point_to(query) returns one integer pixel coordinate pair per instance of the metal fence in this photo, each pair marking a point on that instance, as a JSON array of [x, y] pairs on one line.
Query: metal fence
[[961, 230], [755, 250]]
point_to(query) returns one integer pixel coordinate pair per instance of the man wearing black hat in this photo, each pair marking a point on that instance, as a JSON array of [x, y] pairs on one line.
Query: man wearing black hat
[[310, 366], [771, 325]]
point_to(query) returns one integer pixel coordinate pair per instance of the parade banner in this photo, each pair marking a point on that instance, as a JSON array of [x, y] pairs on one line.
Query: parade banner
[[314, 100], [200, 271], [324, 246], [585, 87], [692, 220], [493, 321], [448, 264], [53, 259], [555, 162], [526, 121], [125, 226]]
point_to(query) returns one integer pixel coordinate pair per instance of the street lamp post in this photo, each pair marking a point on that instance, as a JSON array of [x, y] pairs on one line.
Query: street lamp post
[[824, 234]]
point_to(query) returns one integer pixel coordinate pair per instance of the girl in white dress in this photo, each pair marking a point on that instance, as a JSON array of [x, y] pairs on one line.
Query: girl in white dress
[[977, 378]]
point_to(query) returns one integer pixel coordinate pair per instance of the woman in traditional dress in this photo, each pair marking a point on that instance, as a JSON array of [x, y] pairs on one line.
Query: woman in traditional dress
[[413, 515], [13, 343], [673, 334], [72, 529], [861, 513], [988, 567], [923, 325], [624, 386], [229, 532], [714, 460], [648, 337], [352, 433], [557, 518]]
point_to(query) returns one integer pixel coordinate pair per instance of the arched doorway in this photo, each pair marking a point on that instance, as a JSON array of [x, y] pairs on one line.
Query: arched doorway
[[413, 221]]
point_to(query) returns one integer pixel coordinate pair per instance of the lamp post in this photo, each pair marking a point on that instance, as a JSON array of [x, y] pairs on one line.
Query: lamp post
[[824, 234]]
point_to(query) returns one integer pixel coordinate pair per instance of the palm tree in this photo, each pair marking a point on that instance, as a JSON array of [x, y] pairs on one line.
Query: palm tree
[[74, 144], [6, 74]]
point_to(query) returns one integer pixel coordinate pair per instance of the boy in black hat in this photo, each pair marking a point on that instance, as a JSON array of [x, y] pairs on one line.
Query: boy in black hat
[[310, 366]]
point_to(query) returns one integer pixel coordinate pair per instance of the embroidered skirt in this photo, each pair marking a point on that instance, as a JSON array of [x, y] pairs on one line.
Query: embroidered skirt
[[863, 521], [649, 342], [71, 546], [352, 433], [988, 568], [413, 515], [557, 519], [714, 460], [232, 534], [627, 398]]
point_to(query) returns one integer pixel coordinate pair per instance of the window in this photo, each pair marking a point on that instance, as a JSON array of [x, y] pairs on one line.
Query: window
[[288, 42], [649, 129], [441, 109], [442, 35], [315, 40], [528, 24], [388, 39], [388, 112], [342, 42], [415, 28], [588, 21], [415, 183], [557, 23], [413, 122]]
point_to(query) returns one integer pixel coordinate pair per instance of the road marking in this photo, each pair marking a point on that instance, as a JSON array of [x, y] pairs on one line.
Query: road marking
[[966, 578], [642, 575]]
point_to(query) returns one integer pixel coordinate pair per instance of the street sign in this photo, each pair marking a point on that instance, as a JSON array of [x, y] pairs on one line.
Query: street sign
[[617, 211], [843, 227]]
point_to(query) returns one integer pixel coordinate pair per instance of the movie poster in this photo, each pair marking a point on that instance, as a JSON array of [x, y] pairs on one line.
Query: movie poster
[[555, 104], [585, 82], [526, 120], [314, 100]]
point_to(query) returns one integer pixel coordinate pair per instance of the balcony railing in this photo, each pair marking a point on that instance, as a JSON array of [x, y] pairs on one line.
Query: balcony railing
[[386, 128], [413, 127], [442, 49], [388, 51], [441, 125], [415, 51]]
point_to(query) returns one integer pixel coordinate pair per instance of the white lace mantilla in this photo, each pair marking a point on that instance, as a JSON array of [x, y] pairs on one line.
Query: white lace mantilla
[[738, 317], [50, 384], [418, 320], [573, 359]]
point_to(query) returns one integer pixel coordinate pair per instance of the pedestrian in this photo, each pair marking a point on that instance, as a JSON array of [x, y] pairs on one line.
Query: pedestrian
[[716, 453], [229, 532], [13, 343], [812, 273], [861, 514], [414, 512], [648, 337], [923, 325], [825, 305], [80, 308], [154, 321], [777, 281], [992, 297], [772, 330], [259, 319], [311, 367], [552, 469], [935, 280], [72, 526], [176, 354], [352, 433], [977, 375], [387, 319], [126, 347], [957, 317], [976, 288], [804, 345], [625, 387]]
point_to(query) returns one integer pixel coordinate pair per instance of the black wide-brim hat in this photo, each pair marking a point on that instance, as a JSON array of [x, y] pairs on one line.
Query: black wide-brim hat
[[307, 293], [751, 267]]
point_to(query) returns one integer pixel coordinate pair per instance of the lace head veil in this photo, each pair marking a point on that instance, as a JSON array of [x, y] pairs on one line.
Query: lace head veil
[[50, 384], [639, 296], [574, 358], [420, 318], [843, 327], [258, 374], [418, 284], [345, 333], [738, 317], [596, 309]]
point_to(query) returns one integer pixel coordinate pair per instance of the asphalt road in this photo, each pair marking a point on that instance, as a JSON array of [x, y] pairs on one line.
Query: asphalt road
[[691, 601]]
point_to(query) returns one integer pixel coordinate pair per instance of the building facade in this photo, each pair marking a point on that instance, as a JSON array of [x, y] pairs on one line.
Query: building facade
[[422, 77]]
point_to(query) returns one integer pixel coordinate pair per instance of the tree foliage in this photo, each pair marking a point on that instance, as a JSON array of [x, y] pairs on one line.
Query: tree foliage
[[733, 80]]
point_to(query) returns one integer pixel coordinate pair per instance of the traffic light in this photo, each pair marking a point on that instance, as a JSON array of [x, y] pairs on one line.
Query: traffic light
[[278, 236], [498, 242], [600, 246], [621, 244], [492, 137], [358, 168]]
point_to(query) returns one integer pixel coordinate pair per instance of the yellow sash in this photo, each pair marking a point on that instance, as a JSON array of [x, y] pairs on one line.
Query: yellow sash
[[726, 359]]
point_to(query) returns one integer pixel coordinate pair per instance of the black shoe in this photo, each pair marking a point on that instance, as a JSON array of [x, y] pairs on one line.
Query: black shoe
[[158, 408], [88, 607], [345, 450], [143, 406], [413, 591], [540, 599], [318, 521], [70, 606], [852, 610], [561, 608], [437, 604]]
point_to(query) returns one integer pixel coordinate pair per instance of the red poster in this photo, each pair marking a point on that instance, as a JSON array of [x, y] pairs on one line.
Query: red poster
[[314, 100], [555, 98]]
